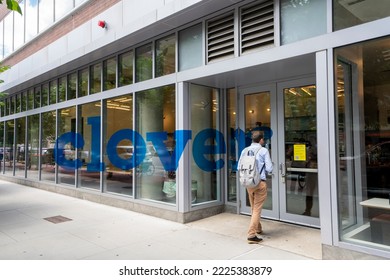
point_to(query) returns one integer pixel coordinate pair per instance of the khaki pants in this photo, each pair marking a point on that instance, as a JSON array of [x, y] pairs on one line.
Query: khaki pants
[[257, 196]]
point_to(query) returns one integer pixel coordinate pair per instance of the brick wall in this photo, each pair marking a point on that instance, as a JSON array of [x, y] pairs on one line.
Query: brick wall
[[72, 21]]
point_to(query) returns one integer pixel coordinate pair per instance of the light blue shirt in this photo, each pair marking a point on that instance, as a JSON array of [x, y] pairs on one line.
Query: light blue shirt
[[262, 158]]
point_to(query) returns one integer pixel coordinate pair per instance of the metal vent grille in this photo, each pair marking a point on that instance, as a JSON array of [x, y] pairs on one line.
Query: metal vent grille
[[220, 38], [257, 26]]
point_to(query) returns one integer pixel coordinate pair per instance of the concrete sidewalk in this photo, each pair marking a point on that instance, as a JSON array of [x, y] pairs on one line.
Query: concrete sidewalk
[[79, 229]]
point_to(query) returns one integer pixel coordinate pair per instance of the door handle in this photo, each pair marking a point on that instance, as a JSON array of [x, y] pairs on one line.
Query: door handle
[[282, 168]]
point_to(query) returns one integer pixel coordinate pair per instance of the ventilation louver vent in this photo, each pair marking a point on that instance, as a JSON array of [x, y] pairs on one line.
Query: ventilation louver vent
[[257, 26], [220, 38]]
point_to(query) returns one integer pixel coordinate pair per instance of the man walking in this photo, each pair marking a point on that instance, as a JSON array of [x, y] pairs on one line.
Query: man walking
[[257, 195]]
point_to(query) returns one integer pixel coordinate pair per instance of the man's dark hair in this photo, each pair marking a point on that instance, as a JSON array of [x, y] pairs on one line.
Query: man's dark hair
[[257, 136]]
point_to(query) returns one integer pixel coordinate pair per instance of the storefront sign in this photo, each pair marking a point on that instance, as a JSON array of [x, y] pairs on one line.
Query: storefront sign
[[207, 156]]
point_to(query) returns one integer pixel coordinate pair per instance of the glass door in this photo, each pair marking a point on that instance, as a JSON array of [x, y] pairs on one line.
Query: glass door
[[286, 112], [297, 145], [256, 114]]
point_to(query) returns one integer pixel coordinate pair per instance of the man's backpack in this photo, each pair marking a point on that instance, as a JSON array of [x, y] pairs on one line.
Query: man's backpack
[[248, 171]]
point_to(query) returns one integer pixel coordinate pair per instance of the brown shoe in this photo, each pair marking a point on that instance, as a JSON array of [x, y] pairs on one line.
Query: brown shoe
[[254, 240]]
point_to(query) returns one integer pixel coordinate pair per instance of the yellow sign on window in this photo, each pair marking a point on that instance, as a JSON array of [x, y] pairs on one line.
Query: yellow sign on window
[[299, 152]]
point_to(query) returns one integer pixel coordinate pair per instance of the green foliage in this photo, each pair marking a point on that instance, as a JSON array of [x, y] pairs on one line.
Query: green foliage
[[13, 5]]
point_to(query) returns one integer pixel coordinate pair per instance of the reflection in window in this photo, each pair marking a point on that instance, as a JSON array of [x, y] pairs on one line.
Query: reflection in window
[[61, 89], [295, 16], [9, 147], [119, 179], [351, 13], [89, 153], [109, 74], [126, 68], [19, 28], [48, 142], [83, 82], [72, 86], [8, 35], [190, 47], [144, 62], [205, 168], [96, 78], [156, 114], [67, 123], [37, 97], [62, 8], [232, 144], [33, 147], [363, 140], [53, 92], [165, 56], [46, 13], [44, 94], [31, 15], [20, 147]]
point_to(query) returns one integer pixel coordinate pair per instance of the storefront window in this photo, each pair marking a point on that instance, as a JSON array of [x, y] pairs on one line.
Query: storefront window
[[190, 47], [53, 92], [61, 89], [83, 82], [37, 97], [96, 78], [89, 153], [2, 150], [363, 140], [72, 86], [109, 74], [9, 147], [20, 147], [232, 144], [165, 56], [126, 68], [119, 178], [302, 19], [144, 62], [66, 123], [44, 94], [48, 144], [30, 99], [155, 171], [32, 161], [351, 13], [205, 165]]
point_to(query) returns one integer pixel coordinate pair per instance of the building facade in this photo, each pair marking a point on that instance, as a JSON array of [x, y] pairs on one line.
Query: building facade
[[146, 105]]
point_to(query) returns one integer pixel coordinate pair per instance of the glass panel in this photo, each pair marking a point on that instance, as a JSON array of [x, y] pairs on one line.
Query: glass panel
[[30, 99], [72, 86], [363, 140], [37, 97], [20, 151], [19, 28], [33, 147], [156, 114], [89, 154], [61, 89], [205, 176], [301, 151], [46, 14], [45, 94], [67, 123], [48, 144], [144, 62], [62, 8], [9, 147], [12, 105], [190, 47], [2, 152], [53, 92], [24, 101], [83, 82], [232, 144], [119, 179], [109, 73], [126, 68], [302, 19], [8, 34], [258, 117], [96, 78], [165, 56], [350, 13], [31, 16], [18, 103]]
